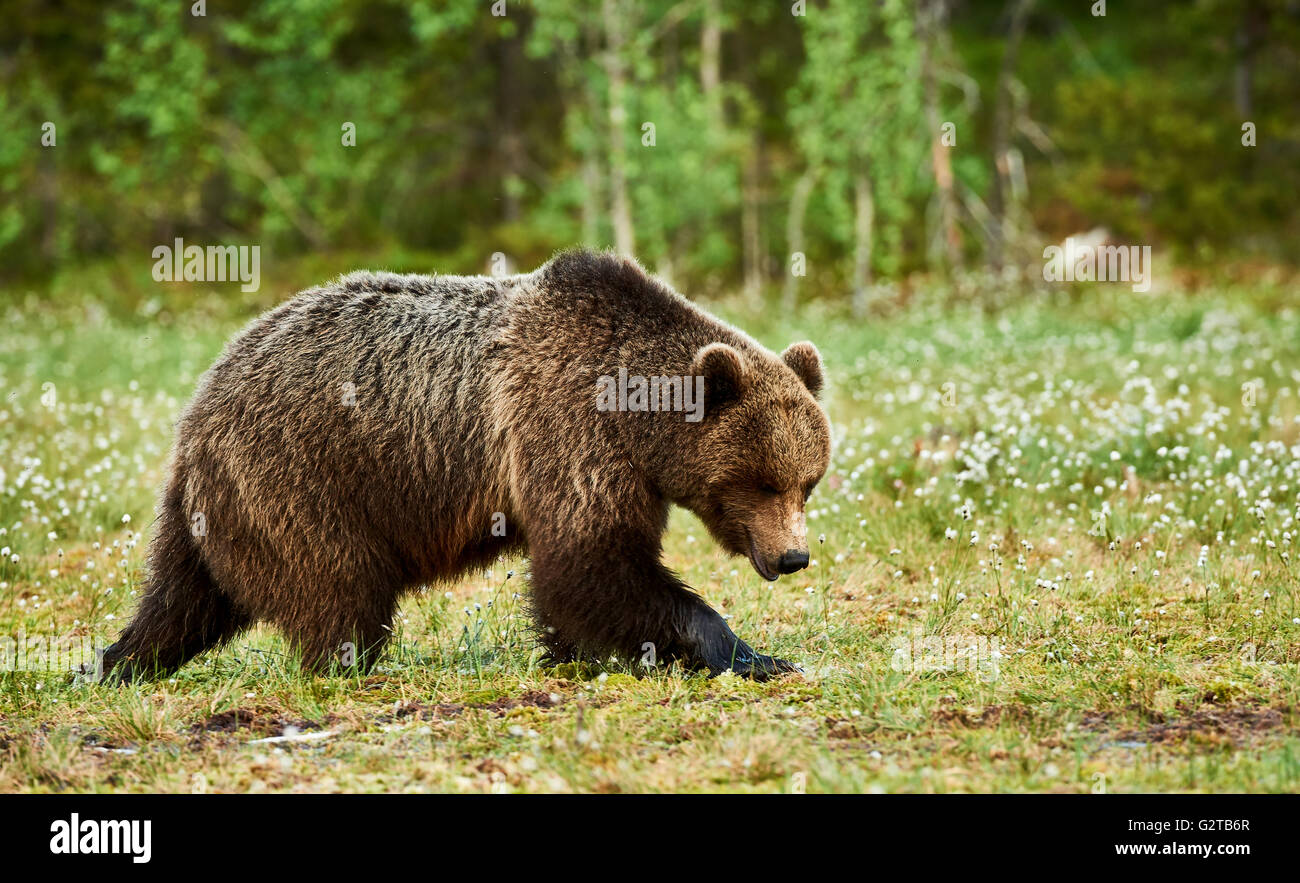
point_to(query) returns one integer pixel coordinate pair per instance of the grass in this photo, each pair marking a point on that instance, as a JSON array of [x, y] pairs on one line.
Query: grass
[[1053, 553]]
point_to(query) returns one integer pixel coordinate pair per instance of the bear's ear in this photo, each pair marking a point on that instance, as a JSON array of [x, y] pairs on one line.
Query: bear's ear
[[725, 377], [806, 363]]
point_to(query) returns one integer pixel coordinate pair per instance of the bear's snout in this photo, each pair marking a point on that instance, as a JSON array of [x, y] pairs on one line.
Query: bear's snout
[[792, 560]]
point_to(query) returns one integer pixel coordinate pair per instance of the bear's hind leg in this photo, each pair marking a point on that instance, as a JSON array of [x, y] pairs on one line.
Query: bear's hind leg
[[183, 611]]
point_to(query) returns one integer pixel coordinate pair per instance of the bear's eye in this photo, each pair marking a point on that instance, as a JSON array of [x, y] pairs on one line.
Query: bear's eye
[[769, 490]]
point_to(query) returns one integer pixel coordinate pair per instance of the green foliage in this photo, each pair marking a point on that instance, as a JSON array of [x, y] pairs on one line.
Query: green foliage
[[477, 133], [857, 110]]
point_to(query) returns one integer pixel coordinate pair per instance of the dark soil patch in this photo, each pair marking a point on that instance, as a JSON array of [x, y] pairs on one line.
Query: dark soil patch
[[531, 699], [1237, 726], [841, 728], [259, 722], [1231, 725], [987, 716], [449, 710], [1096, 721], [1208, 723], [421, 711]]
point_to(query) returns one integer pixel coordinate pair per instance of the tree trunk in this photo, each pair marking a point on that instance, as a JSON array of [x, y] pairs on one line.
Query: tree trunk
[[710, 49], [794, 237], [620, 208], [1252, 30], [591, 110], [751, 234], [590, 200], [48, 193], [509, 141], [864, 219], [930, 21], [1002, 132]]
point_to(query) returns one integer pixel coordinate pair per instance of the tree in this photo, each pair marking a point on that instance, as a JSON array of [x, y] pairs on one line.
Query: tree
[[931, 23], [613, 14], [1002, 122], [857, 116]]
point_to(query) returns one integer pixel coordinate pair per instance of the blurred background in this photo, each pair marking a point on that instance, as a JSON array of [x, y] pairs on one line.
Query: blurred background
[[713, 139]]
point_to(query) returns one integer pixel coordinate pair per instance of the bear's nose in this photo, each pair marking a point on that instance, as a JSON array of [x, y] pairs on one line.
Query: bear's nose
[[792, 560]]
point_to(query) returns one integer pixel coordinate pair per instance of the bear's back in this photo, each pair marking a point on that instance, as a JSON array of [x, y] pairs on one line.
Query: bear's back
[[376, 323], [349, 379]]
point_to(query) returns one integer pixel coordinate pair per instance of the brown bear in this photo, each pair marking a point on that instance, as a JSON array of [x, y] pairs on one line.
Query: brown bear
[[387, 431]]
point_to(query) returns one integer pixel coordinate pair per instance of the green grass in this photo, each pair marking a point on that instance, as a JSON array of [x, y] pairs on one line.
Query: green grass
[[1125, 619]]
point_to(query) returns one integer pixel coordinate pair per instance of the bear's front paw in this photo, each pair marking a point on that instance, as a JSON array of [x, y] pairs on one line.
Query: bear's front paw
[[713, 645], [113, 669], [760, 667]]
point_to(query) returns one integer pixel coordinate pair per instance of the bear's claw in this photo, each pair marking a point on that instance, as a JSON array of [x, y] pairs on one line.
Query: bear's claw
[[760, 667]]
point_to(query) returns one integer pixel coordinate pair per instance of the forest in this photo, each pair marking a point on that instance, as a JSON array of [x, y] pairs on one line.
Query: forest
[[827, 145]]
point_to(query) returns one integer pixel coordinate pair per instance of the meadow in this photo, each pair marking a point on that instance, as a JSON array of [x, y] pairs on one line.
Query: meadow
[[1053, 552]]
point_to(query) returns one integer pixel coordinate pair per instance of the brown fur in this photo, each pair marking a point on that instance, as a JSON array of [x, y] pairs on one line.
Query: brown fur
[[473, 396]]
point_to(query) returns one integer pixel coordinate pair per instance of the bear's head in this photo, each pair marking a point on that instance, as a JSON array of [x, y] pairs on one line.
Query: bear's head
[[762, 446]]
